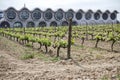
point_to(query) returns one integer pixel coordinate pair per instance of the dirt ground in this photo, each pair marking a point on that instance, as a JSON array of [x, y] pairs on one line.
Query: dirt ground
[[86, 64]]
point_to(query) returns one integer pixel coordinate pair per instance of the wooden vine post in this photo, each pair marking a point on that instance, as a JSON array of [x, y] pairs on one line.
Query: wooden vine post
[[69, 39]]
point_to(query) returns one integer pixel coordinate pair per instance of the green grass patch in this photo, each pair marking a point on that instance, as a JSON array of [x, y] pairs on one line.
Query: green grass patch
[[55, 59], [118, 76], [28, 45], [46, 57], [104, 78], [41, 56], [81, 46], [27, 56]]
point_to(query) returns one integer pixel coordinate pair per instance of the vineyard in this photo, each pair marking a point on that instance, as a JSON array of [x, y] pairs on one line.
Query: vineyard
[[56, 37], [90, 44]]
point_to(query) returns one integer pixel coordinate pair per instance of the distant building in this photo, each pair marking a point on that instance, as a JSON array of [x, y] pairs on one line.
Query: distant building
[[38, 18], [118, 22], [1, 15]]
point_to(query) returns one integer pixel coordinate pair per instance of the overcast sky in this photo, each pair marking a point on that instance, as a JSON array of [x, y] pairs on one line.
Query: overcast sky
[[64, 4]]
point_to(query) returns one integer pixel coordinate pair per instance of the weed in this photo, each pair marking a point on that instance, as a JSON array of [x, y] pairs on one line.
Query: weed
[[118, 76], [28, 45], [27, 56], [104, 78], [55, 59], [46, 58], [42, 56], [81, 46]]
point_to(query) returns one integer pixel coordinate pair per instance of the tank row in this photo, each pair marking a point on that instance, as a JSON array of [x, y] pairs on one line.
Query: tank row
[[38, 18]]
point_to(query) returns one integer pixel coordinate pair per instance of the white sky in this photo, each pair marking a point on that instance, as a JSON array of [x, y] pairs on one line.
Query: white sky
[[64, 4]]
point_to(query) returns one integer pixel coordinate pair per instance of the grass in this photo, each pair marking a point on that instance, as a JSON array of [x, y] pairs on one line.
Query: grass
[[28, 45], [118, 76], [81, 46], [55, 59], [27, 56], [44, 57], [104, 78]]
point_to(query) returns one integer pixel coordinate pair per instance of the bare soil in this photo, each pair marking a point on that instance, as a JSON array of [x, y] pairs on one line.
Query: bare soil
[[87, 63]]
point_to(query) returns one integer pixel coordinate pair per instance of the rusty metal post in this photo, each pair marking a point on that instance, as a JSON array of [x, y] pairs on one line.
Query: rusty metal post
[[69, 39]]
